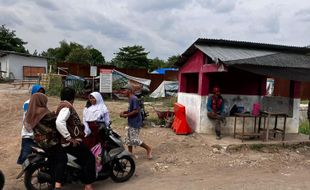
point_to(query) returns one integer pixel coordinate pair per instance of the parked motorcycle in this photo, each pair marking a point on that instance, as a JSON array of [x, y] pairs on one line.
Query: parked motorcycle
[[117, 163], [2, 180]]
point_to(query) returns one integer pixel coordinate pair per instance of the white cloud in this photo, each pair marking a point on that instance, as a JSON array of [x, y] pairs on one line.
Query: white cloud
[[164, 28]]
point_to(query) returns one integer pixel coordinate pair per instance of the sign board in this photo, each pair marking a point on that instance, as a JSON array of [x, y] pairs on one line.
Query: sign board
[[105, 80], [93, 71]]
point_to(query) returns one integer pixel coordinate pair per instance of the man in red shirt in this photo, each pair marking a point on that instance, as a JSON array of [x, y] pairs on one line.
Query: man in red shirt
[[215, 108]]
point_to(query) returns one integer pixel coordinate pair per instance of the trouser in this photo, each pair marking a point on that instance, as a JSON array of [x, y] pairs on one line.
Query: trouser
[[86, 160], [217, 121], [27, 143], [58, 159]]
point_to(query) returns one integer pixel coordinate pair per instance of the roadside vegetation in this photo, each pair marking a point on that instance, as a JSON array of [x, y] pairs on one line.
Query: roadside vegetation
[[304, 127]]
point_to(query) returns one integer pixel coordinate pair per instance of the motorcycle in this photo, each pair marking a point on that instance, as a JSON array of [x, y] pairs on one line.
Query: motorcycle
[[117, 163], [2, 180]]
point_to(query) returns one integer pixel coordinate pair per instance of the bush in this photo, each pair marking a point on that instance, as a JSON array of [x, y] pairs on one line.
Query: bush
[[304, 127], [54, 85]]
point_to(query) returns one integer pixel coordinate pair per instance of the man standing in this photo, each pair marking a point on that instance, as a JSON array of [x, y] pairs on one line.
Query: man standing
[[71, 129], [215, 108], [134, 122]]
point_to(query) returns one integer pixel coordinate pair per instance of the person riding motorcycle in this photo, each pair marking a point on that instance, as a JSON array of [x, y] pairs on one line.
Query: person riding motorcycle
[[71, 129], [41, 121]]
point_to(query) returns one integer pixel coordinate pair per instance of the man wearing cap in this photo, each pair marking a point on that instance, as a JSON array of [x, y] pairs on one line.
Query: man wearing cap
[[215, 108], [134, 122]]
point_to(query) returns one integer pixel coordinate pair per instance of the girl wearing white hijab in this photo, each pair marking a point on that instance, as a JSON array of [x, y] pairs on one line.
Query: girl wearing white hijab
[[95, 112]]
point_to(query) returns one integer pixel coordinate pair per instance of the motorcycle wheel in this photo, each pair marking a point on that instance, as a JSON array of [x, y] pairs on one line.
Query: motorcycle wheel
[[36, 178], [2, 181], [122, 169]]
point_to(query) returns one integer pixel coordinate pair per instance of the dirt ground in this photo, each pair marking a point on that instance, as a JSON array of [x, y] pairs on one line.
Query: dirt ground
[[180, 162]]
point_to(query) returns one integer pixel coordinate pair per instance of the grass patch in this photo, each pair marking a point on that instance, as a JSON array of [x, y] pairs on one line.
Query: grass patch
[[304, 101], [304, 127], [256, 146]]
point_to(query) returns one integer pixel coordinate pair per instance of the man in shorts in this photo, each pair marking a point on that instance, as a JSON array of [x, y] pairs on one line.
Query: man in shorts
[[134, 122]]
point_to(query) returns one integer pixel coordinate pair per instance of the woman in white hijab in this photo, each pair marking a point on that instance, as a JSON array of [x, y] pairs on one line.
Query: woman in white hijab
[[94, 113]]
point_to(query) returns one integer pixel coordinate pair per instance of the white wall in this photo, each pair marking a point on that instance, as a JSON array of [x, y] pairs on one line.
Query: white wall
[[196, 113], [16, 63], [192, 103]]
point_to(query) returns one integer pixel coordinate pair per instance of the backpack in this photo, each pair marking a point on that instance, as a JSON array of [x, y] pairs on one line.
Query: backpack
[[45, 132]]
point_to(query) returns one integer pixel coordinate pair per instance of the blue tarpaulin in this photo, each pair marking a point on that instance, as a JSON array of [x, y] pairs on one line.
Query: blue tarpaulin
[[162, 71]]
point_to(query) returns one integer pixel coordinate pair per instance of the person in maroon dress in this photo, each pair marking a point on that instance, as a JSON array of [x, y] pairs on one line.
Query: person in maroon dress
[[95, 112]]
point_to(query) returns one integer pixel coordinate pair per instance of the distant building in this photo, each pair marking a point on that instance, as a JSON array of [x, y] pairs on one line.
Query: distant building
[[21, 66]]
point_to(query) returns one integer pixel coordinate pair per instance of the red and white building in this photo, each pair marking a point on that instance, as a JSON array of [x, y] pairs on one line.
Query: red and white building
[[241, 70]]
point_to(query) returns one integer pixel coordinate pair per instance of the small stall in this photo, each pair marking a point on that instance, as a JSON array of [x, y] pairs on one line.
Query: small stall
[[241, 70]]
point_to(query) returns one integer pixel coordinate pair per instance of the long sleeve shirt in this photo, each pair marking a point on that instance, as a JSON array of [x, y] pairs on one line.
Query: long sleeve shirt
[[25, 133], [102, 118], [61, 123]]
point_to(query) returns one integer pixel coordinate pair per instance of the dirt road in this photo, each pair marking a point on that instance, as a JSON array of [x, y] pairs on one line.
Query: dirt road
[[180, 162]]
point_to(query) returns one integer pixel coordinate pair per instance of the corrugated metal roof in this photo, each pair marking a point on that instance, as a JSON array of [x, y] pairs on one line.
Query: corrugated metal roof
[[287, 60], [232, 53], [237, 49], [251, 45], [296, 74], [4, 53]]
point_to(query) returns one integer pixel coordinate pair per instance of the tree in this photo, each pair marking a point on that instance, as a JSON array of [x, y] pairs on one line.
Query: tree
[[131, 57], [96, 57], [156, 63], [171, 61], [79, 55], [74, 52], [9, 41]]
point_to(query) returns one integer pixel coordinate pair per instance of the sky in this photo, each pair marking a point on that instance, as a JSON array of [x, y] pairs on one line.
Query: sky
[[163, 27]]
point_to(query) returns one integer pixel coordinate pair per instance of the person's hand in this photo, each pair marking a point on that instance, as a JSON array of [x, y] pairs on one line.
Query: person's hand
[[123, 114], [74, 142]]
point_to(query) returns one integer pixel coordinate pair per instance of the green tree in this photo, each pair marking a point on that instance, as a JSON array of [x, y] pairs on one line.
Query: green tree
[[131, 57], [78, 55], [74, 52], [156, 63], [9, 41], [96, 57], [172, 60]]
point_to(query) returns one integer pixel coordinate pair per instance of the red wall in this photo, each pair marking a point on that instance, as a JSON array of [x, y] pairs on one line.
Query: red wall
[[193, 65], [282, 88], [232, 81], [238, 82]]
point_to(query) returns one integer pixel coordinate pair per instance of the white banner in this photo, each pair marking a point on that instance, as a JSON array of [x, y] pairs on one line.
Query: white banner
[[105, 82]]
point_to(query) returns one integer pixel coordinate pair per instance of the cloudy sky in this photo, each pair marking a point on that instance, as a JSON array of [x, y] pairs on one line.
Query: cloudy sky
[[162, 27]]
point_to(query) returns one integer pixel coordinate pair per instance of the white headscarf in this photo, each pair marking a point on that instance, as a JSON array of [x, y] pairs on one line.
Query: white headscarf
[[97, 111]]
